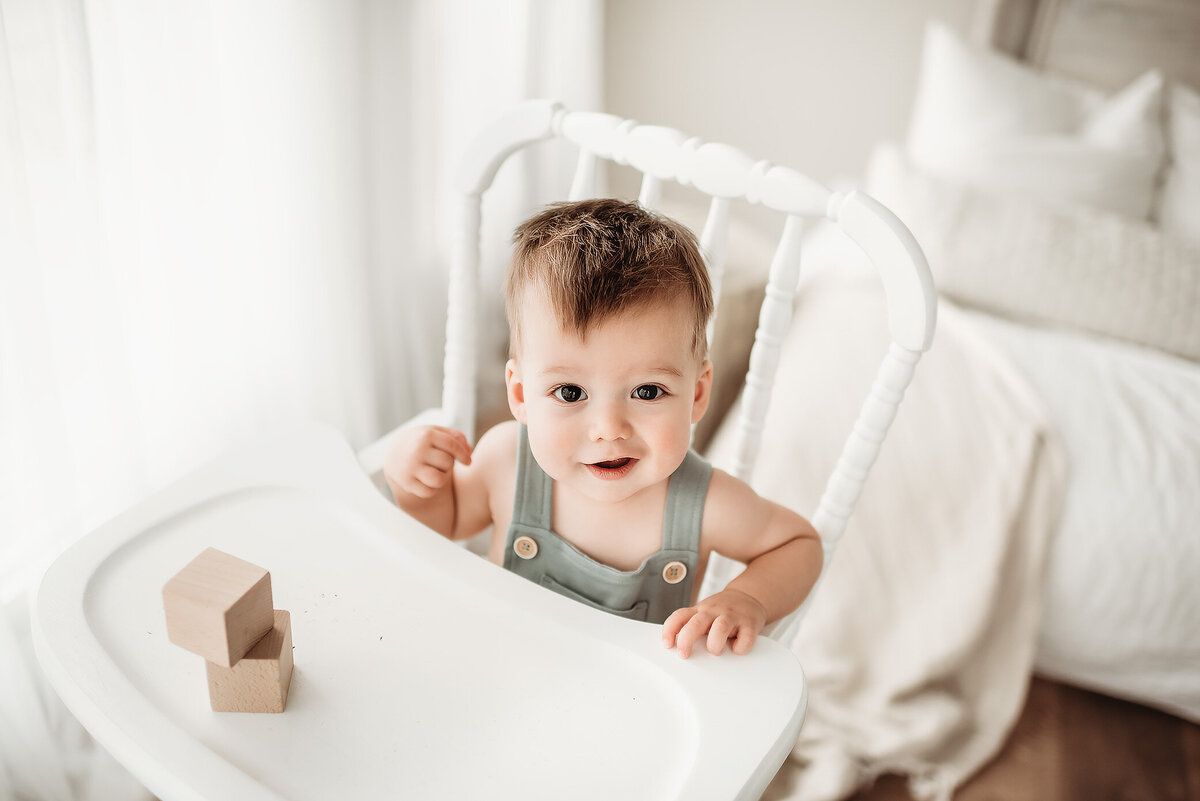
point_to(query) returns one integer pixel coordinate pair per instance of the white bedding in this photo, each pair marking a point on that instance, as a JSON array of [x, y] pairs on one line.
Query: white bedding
[[1031, 510], [920, 640], [1122, 609], [1015, 237], [1122, 605]]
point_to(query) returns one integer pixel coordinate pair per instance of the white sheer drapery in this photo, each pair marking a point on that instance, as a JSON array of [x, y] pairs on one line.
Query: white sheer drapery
[[183, 254], [214, 217], [475, 59]]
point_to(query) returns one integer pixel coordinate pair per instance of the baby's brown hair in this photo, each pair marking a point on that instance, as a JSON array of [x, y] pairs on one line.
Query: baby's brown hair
[[596, 258]]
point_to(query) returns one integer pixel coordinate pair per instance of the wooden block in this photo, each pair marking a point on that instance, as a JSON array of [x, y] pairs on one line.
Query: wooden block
[[260, 681], [218, 606]]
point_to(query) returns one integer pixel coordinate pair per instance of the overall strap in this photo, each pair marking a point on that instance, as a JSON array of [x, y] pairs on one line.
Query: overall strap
[[534, 489], [685, 504]]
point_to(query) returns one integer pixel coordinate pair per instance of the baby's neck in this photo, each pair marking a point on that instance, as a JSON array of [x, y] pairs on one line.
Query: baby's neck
[[619, 534]]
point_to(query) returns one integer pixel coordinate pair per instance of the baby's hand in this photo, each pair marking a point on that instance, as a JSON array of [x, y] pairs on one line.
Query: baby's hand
[[421, 460], [728, 615]]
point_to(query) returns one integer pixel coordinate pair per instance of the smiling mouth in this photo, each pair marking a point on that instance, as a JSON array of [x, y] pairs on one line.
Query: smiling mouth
[[613, 464], [612, 469]]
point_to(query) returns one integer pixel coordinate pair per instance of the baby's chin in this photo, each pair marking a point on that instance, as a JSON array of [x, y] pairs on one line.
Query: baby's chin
[[607, 492]]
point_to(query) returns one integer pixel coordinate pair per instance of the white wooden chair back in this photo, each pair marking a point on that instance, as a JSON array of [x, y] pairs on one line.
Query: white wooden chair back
[[725, 174]]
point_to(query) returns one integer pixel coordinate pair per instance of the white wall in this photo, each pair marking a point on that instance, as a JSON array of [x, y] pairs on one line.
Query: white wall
[[810, 84]]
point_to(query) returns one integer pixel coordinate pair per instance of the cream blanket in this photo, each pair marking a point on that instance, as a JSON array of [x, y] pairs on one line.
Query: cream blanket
[[919, 645]]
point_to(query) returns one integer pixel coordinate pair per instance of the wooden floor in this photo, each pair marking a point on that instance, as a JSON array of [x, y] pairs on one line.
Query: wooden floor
[[1073, 745]]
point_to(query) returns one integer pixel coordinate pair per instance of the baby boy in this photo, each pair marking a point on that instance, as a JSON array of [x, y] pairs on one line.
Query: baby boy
[[592, 490]]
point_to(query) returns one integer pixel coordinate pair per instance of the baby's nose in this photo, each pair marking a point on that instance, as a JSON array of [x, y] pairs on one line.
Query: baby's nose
[[609, 422]]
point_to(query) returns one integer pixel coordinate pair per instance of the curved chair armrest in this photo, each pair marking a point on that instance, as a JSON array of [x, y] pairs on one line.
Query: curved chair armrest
[[900, 262]]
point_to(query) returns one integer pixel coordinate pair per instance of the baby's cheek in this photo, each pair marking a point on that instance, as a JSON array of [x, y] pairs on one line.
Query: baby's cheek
[[673, 446], [551, 447], [681, 433]]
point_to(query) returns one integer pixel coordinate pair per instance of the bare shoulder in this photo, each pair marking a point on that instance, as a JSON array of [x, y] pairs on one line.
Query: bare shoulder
[[740, 523], [477, 485], [496, 456], [733, 505], [498, 444], [494, 459]]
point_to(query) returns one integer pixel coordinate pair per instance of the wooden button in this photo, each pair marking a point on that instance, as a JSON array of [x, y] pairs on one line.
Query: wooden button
[[674, 572], [526, 547]]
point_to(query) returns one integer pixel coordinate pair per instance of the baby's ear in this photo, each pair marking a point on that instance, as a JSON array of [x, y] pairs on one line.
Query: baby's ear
[[516, 390], [703, 392]]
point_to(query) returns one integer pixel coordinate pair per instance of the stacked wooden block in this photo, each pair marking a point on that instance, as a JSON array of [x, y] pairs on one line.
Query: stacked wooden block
[[221, 608]]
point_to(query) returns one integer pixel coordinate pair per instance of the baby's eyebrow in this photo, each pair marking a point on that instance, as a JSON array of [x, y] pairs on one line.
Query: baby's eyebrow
[[558, 370]]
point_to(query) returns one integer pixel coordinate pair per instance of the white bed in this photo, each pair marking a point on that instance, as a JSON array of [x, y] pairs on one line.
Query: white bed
[[1076, 241], [1033, 508]]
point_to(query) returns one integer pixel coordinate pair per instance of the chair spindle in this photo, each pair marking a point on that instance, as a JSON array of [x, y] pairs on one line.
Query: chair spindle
[[714, 240], [651, 194], [583, 185], [458, 386], [774, 318]]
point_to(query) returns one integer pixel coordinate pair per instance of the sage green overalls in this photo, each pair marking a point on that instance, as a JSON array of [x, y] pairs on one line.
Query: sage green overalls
[[663, 582]]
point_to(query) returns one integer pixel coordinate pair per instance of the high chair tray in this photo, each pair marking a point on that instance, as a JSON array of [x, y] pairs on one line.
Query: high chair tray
[[421, 670]]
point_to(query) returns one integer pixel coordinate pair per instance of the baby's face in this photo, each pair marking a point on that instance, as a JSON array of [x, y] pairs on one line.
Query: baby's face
[[610, 414]]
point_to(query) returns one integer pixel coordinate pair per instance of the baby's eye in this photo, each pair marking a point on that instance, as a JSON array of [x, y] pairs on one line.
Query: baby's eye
[[649, 392], [569, 393]]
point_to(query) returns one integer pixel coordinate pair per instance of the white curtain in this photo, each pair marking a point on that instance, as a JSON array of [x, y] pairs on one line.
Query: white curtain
[[183, 255], [218, 216], [474, 59]]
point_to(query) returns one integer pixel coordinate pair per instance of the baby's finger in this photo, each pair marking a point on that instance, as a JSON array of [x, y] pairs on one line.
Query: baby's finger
[[674, 622], [439, 459], [744, 640], [692, 631], [722, 627], [452, 442], [431, 477], [414, 487]]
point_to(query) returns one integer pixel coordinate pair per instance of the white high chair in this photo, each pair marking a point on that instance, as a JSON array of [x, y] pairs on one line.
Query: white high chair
[[725, 174], [422, 671]]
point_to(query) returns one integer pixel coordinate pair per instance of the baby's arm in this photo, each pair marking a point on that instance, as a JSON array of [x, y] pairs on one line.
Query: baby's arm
[[426, 482], [782, 553]]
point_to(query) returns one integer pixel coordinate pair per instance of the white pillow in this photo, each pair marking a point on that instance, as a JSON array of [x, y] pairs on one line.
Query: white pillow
[[1049, 263], [1179, 212], [984, 119]]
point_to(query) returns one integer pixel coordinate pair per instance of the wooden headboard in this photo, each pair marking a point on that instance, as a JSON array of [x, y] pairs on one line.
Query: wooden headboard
[[1106, 43]]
